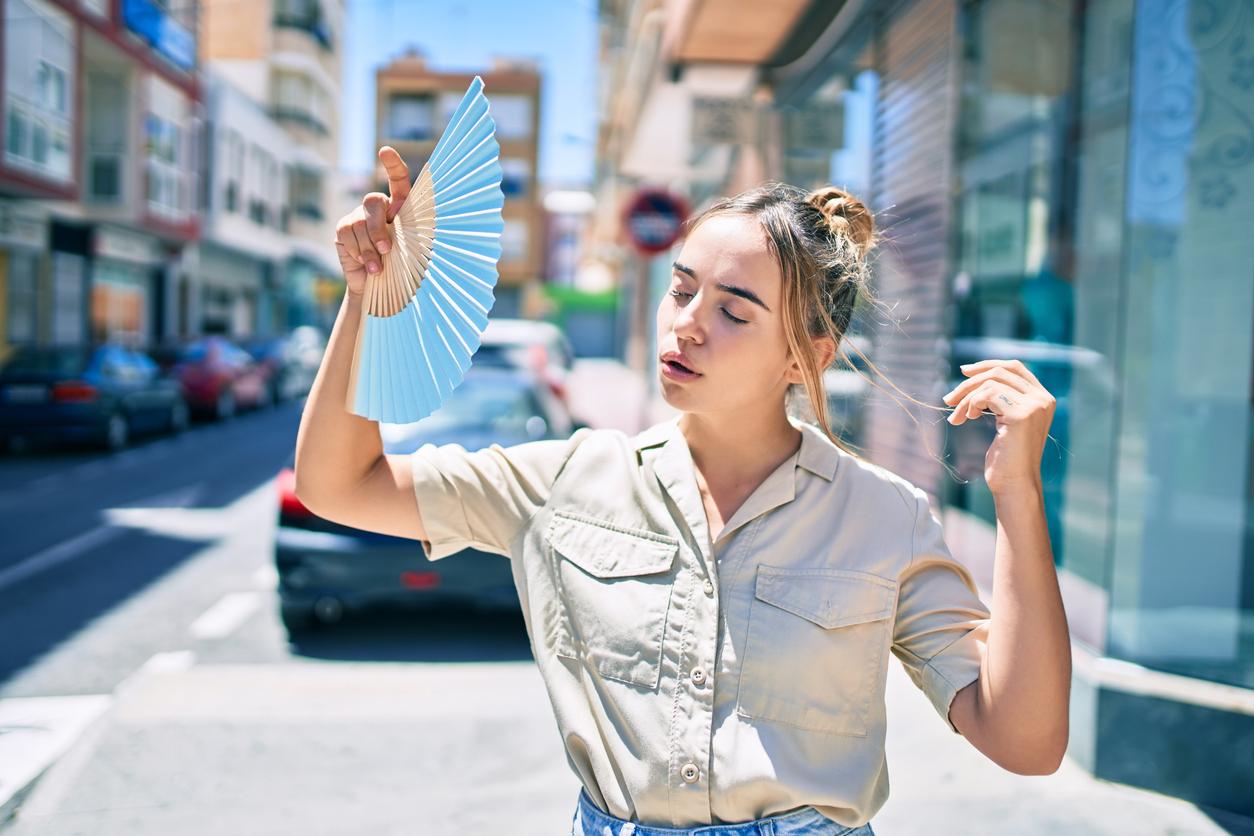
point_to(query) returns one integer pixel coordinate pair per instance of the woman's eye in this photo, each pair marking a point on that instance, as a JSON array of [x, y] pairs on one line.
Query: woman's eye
[[738, 321]]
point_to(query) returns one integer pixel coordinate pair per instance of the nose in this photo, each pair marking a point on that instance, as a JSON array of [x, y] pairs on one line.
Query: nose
[[687, 323]]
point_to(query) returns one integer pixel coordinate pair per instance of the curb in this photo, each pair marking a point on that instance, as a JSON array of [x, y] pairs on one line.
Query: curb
[[34, 733]]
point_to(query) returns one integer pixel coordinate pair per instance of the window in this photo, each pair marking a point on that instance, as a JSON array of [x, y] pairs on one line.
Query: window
[[515, 176], [299, 99], [169, 144], [23, 297], [512, 114], [39, 60], [514, 240], [410, 116], [305, 187], [105, 137]]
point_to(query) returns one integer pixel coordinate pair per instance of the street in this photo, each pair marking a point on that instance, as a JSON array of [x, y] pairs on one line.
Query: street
[[146, 669]]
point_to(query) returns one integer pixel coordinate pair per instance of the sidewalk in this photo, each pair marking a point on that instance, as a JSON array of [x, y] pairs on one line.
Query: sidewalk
[[400, 748]]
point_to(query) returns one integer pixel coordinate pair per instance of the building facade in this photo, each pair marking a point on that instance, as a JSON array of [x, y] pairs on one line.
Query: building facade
[[287, 56], [102, 116], [1066, 184], [413, 104]]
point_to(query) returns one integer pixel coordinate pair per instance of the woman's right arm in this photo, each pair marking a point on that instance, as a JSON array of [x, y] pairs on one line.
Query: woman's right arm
[[342, 473]]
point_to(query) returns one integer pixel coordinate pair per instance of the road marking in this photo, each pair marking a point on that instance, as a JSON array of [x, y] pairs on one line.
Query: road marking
[[266, 577], [224, 617], [35, 732], [171, 661], [60, 553]]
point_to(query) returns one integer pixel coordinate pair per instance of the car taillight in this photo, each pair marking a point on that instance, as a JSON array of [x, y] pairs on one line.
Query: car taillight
[[73, 391], [420, 580], [289, 505]]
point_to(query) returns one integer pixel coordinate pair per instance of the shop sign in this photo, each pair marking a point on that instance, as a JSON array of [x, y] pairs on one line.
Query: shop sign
[[126, 246], [737, 121], [19, 229], [154, 24]]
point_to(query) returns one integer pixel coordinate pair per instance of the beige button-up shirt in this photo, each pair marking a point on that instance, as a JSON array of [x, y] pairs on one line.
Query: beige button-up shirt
[[698, 682]]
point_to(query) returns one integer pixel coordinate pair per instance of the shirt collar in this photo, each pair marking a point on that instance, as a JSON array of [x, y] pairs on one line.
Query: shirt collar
[[664, 447]]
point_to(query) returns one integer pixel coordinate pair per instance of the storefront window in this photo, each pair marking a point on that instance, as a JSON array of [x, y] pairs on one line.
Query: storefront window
[[1013, 293], [1182, 574], [21, 271], [1106, 179]]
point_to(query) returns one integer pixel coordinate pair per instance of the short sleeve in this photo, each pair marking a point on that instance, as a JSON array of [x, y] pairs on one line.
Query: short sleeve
[[941, 627], [482, 499]]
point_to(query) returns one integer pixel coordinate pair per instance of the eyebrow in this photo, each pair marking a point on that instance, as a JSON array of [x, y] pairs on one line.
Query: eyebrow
[[743, 293]]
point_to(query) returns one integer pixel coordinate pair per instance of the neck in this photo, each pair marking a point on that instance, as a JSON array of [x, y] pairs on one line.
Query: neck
[[735, 449]]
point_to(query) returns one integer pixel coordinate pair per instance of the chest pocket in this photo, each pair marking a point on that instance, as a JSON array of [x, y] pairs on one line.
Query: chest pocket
[[816, 648], [616, 593]]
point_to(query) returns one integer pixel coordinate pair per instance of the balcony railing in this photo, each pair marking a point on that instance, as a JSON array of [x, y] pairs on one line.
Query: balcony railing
[[313, 25], [299, 116]]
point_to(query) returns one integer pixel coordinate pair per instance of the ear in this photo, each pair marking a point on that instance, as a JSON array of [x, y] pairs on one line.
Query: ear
[[825, 350]]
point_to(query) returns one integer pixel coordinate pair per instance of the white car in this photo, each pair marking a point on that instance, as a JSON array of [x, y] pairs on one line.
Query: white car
[[530, 344]]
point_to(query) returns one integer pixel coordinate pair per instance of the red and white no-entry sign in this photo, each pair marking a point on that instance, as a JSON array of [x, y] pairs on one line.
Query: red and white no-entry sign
[[653, 219]]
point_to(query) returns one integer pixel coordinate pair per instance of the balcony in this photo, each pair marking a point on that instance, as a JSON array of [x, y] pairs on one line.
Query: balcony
[[300, 116], [311, 24]]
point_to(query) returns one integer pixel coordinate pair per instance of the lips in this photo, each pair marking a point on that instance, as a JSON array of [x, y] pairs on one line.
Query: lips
[[677, 359]]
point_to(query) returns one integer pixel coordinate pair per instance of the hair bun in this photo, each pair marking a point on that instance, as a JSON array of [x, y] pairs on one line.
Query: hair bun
[[845, 215]]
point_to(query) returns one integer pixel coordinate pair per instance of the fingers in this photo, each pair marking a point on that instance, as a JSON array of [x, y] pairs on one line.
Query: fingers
[[992, 394], [345, 239], [375, 206], [999, 373], [1014, 366], [365, 247], [398, 178]]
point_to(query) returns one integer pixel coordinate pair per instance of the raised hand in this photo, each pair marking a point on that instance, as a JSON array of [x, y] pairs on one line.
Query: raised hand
[[363, 236]]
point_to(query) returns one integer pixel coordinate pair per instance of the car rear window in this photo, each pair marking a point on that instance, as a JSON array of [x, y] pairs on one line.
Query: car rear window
[[48, 360], [495, 403]]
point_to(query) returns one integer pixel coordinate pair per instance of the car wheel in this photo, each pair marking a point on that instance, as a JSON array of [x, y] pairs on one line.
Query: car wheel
[[297, 617], [225, 407], [179, 417], [328, 610], [117, 432]]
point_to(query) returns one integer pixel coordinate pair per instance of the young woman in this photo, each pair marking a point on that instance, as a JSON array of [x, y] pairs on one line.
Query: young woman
[[711, 603]]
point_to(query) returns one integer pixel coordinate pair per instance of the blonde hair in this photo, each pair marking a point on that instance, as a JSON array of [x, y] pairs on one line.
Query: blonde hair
[[821, 240]]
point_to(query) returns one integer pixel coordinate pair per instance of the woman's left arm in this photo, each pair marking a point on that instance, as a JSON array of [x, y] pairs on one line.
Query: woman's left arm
[[1016, 713]]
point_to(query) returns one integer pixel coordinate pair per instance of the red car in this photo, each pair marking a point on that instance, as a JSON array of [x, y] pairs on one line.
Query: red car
[[219, 378]]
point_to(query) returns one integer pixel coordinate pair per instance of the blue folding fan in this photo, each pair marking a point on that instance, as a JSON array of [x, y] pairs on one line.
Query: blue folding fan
[[423, 314]]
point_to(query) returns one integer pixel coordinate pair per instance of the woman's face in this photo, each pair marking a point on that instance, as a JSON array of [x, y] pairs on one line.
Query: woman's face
[[723, 313]]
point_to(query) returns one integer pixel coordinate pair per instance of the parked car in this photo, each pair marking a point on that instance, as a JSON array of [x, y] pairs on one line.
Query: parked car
[[219, 378], [538, 346], [291, 360], [104, 394], [327, 569], [305, 347]]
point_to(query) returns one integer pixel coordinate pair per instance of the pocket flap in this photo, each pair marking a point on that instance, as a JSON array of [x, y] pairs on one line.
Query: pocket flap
[[828, 597], [610, 551]]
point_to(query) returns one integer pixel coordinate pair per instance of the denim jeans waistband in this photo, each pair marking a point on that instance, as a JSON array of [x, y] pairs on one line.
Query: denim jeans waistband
[[590, 820]]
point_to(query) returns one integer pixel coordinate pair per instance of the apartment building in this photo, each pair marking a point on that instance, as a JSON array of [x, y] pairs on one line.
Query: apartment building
[[286, 56], [413, 104], [102, 116]]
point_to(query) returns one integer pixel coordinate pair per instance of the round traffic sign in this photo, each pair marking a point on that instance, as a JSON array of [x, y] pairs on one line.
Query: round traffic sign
[[654, 218]]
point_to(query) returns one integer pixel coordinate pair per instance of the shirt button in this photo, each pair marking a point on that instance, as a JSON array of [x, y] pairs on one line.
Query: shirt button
[[690, 772], [698, 676], [709, 588]]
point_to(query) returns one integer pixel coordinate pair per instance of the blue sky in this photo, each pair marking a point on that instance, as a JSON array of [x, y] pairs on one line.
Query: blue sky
[[464, 35]]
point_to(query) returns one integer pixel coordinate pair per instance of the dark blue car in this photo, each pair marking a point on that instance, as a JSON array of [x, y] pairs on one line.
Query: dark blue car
[[101, 394], [327, 569]]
